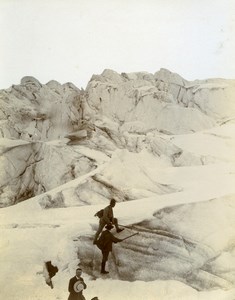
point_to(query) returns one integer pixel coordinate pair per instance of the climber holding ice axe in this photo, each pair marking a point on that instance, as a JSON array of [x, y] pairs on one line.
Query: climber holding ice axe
[[105, 242], [106, 217]]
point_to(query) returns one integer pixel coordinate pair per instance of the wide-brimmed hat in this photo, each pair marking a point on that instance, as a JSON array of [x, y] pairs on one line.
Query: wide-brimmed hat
[[78, 286]]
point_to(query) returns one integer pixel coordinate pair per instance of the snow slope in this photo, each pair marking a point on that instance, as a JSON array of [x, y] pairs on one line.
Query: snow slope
[[32, 235], [163, 147]]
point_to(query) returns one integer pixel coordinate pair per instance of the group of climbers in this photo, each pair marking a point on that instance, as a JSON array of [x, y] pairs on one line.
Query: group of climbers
[[104, 243], [103, 240]]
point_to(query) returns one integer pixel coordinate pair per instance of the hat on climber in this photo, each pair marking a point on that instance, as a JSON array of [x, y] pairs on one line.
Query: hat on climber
[[109, 226]]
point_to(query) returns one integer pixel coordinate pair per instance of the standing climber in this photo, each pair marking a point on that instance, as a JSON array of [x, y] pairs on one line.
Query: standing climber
[[76, 286], [107, 218], [104, 243]]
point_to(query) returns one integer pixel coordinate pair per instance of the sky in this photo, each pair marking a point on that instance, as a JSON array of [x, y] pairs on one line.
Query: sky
[[69, 41]]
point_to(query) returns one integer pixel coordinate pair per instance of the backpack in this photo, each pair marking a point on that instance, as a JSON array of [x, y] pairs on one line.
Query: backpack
[[99, 213]]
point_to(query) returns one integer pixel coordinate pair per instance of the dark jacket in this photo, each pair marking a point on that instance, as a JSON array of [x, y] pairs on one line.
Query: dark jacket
[[108, 214], [106, 240], [73, 295]]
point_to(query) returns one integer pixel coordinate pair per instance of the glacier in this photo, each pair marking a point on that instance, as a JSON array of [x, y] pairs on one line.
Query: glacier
[[162, 146]]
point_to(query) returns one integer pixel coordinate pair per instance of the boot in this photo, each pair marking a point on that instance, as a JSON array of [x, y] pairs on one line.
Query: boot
[[103, 268], [118, 229]]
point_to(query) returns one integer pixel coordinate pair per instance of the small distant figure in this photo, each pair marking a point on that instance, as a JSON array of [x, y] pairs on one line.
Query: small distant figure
[[76, 286], [106, 218], [104, 243]]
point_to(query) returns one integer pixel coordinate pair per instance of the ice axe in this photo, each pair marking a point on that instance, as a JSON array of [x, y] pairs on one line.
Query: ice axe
[[126, 226], [130, 236]]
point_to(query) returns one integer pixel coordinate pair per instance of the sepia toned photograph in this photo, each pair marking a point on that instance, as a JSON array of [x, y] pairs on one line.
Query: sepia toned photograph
[[117, 144]]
